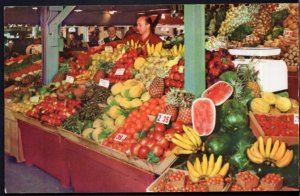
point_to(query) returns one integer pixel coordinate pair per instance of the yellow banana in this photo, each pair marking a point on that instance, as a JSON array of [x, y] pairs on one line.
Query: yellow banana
[[253, 158], [182, 145], [152, 48], [255, 150], [203, 148], [132, 43], [182, 151], [261, 146], [217, 166], [182, 52], [128, 43], [268, 147], [204, 164], [180, 48], [211, 163], [184, 140], [192, 170], [189, 134], [280, 152], [286, 159], [148, 49], [185, 136], [193, 178], [198, 140], [274, 149], [197, 166], [224, 169]]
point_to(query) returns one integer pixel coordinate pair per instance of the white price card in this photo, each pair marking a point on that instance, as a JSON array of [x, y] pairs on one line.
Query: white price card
[[287, 33], [163, 118], [120, 71], [120, 137], [296, 119], [35, 99], [104, 83], [109, 49], [70, 79]]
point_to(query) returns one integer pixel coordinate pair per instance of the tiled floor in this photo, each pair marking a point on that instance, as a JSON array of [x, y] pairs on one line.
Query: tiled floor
[[20, 178]]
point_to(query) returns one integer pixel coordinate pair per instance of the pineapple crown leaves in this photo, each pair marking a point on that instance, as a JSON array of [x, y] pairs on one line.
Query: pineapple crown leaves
[[162, 71], [172, 97]]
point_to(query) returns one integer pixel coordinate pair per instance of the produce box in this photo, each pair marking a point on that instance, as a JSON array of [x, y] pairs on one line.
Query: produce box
[[258, 130], [204, 188]]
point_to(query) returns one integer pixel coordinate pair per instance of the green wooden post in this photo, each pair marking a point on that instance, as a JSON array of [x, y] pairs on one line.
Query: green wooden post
[[194, 41]]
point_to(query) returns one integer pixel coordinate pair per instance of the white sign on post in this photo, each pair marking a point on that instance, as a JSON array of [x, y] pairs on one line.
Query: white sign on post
[[70, 79], [120, 137], [163, 118], [120, 71], [104, 83], [296, 119]]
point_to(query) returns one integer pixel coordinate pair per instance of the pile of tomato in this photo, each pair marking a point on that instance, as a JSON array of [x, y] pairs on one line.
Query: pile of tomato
[[176, 76], [26, 70], [282, 125], [54, 111]]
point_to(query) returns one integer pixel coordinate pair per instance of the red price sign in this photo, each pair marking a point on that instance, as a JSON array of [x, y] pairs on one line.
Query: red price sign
[[296, 119], [163, 118], [120, 137], [287, 33]]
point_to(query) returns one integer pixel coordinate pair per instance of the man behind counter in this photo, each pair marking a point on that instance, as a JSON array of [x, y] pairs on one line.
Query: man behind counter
[[111, 30]]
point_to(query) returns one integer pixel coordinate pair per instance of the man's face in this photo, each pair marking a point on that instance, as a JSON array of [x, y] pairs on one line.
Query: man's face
[[142, 25], [111, 32]]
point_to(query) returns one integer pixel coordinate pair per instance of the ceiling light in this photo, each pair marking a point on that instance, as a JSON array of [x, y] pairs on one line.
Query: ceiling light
[[77, 10], [34, 8], [141, 13], [112, 11]]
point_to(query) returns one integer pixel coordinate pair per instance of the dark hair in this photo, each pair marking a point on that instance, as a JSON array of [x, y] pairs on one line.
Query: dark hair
[[110, 27]]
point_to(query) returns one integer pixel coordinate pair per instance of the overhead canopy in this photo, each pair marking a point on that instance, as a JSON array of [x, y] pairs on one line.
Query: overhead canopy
[[93, 15]]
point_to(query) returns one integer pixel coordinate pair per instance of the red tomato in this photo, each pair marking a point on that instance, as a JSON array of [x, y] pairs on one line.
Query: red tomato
[[160, 127], [150, 134], [158, 150], [144, 141], [178, 126], [170, 133], [158, 135], [167, 152], [134, 149], [143, 152], [163, 142], [151, 143]]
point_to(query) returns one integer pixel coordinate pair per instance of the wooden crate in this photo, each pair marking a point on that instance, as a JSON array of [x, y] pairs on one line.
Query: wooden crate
[[258, 131]]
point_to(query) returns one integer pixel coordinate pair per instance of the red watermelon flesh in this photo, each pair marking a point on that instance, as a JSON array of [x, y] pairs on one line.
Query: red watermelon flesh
[[219, 92], [203, 116]]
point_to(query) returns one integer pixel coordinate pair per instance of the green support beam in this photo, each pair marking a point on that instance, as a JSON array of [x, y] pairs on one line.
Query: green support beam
[[194, 28], [51, 20]]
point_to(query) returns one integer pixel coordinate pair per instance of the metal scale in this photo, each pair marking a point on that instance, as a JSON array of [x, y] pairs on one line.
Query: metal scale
[[273, 74]]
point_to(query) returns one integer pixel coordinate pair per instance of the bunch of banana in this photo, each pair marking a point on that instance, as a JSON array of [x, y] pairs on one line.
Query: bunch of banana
[[82, 78], [133, 44], [177, 50], [260, 152], [154, 50], [188, 143], [208, 168]]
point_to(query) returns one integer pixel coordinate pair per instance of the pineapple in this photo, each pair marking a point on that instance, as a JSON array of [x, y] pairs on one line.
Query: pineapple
[[28, 79], [172, 103], [61, 74], [249, 76], [157, 86], [185, 110]]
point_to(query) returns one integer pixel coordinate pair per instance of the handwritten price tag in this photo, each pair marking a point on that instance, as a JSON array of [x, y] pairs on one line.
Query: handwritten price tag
[[104, 83], [287, 33], [120, 137], [296, 119], [35, 99], [163, 118], [120, 71], [108, 49], [70, 79]]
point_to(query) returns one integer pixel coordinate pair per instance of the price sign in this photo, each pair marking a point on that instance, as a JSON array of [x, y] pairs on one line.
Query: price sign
[[120, 71], [70, 79], [163, 118], [120, 137], [296, 119], [35, 99], [287, 33], [104, 83], [109, 49]]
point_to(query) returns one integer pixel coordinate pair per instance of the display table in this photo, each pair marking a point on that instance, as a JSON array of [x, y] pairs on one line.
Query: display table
[[293, 85], [12, 136], [43, 148], [93, 171]]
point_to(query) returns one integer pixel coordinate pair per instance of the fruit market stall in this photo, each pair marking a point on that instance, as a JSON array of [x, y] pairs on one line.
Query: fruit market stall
[[123, 113]]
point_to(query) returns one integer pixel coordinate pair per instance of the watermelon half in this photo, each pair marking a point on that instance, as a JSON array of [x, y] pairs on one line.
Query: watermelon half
[[219, 92], [203, 116]]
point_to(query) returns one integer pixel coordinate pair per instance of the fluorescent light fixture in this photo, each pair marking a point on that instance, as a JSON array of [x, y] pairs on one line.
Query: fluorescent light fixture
[[141, 13], [77, 10], [112, 11], [34, 8]]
